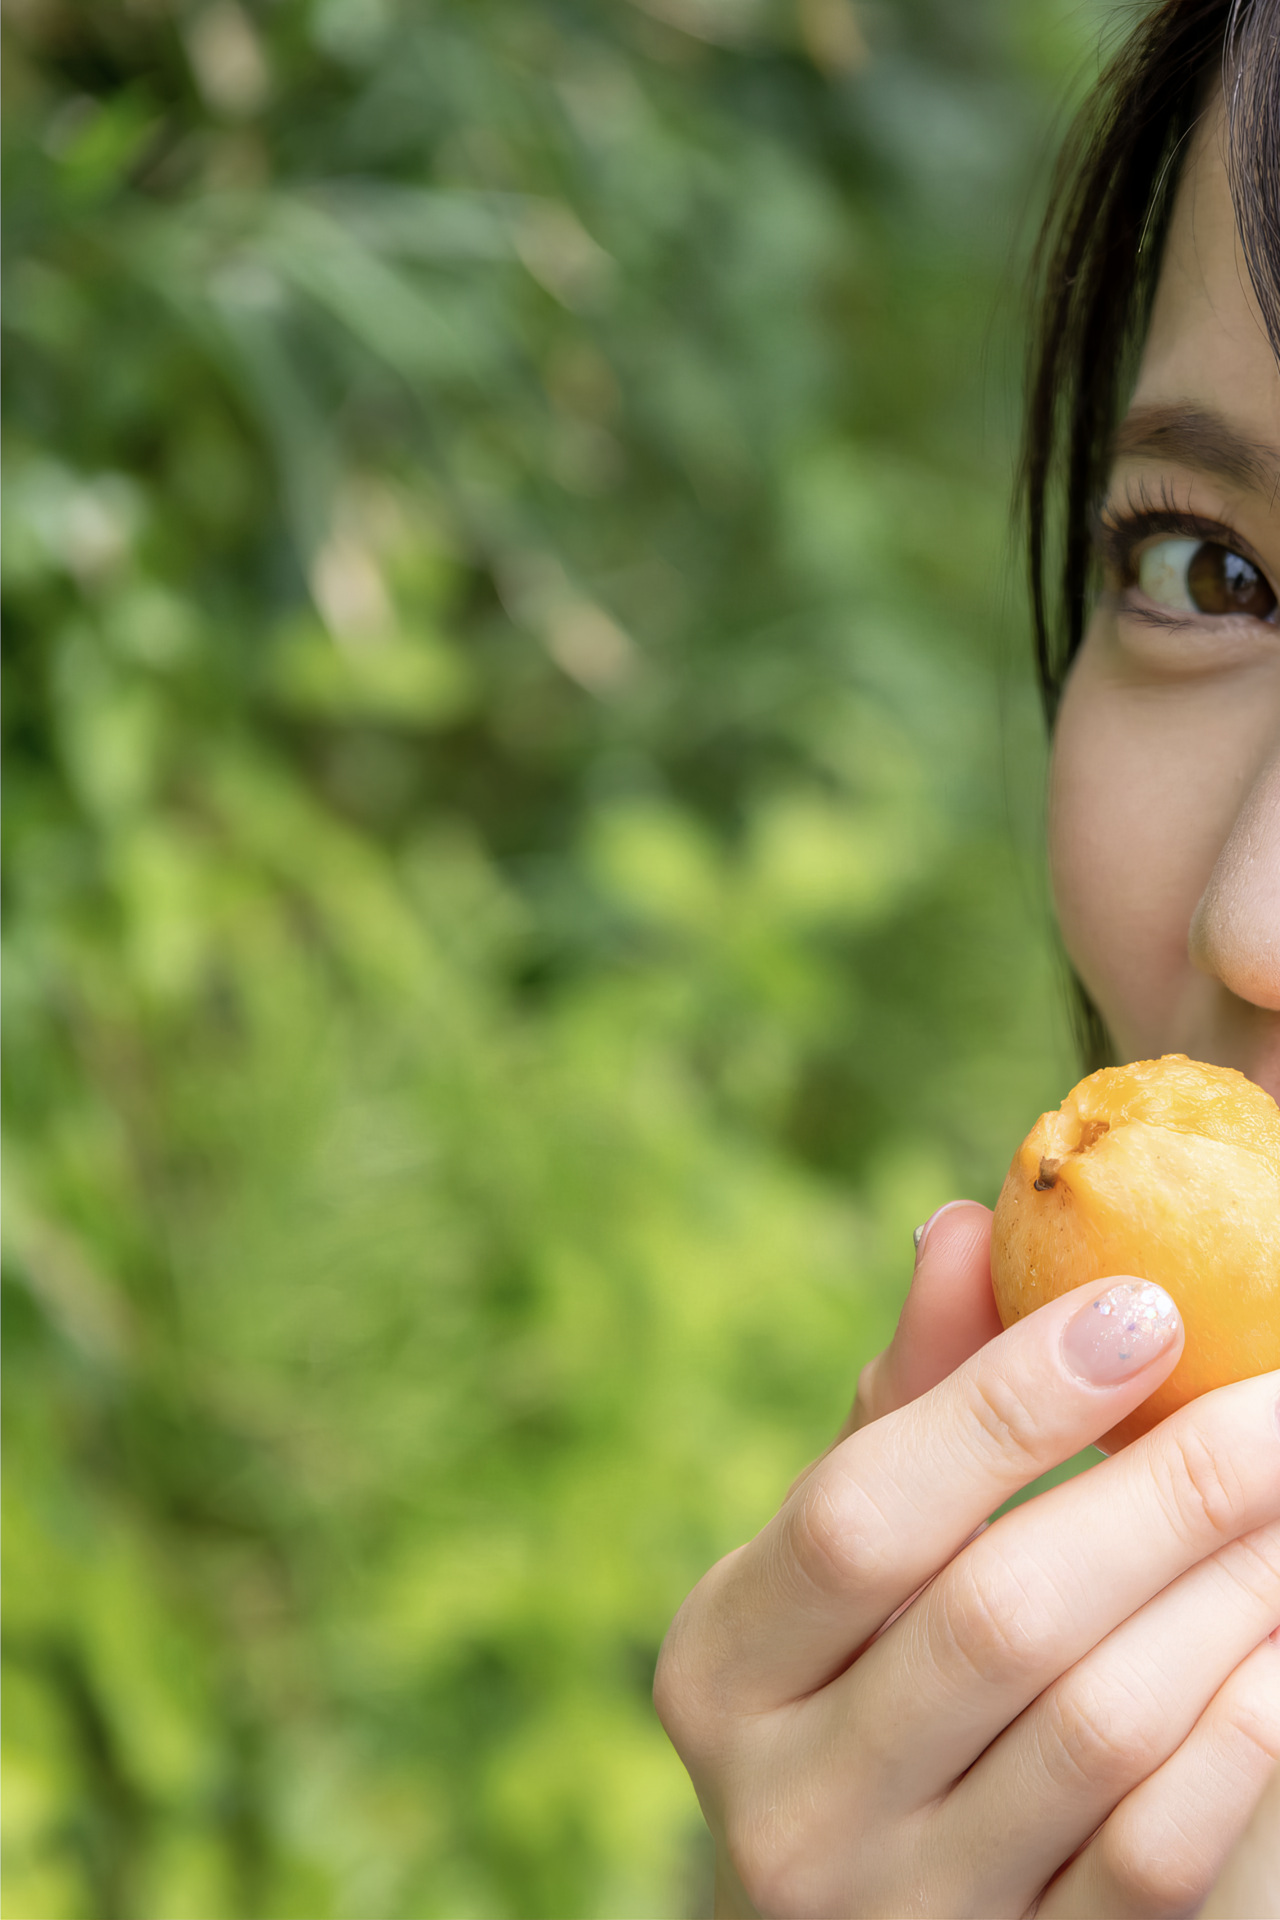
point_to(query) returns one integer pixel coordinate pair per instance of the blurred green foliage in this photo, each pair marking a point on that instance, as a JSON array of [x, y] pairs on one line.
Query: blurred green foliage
[[523, 805]]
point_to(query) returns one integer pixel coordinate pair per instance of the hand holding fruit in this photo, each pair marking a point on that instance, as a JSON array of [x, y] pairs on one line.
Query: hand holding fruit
[[884, 1714]]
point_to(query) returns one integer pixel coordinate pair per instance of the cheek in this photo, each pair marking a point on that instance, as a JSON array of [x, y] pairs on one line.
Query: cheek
[[1131, 845]]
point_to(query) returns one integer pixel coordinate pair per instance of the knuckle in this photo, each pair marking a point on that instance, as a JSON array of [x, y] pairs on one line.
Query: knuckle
[[1006, 1423], [1253, 1565], [774, 1862], [688, 1680], [1105, 1738], [1252, 1712], [757, 1860], [1151, 1870], [994, 1623], [1204, 1488], [838, 1538]]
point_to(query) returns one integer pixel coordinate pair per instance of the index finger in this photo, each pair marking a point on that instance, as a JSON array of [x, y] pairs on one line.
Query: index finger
[[893, 1503]]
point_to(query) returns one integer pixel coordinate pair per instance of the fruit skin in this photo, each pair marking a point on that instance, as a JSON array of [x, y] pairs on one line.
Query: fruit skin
[[1165, 1170]]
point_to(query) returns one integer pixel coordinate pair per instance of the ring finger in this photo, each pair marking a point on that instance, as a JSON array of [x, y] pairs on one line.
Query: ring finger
[[1117, 1717], [1165, 1844]]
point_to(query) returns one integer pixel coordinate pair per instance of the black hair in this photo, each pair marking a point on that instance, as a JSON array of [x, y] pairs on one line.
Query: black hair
[[1095, 276]]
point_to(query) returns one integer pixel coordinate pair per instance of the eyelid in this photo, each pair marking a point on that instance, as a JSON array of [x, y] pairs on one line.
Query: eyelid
[[1119, 533], [1121, 526]]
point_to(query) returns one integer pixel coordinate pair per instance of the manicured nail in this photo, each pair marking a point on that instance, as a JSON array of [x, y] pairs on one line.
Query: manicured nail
[[921, 1233], [1120, 1333]]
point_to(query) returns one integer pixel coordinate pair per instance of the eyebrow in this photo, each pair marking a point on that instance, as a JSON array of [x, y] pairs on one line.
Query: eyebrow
[[1199, 437]]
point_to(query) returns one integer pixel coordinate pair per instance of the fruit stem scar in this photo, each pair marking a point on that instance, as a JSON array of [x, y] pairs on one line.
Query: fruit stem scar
[[1048, 1173]]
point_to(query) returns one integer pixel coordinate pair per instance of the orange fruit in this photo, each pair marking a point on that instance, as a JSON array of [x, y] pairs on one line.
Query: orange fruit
[[1165, 1170]]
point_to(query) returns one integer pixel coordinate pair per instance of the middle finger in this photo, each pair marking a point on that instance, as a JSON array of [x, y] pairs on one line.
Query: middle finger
[[1048, 1582]]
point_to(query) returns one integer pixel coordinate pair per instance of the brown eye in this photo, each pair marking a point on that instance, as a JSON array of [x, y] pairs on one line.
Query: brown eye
[[1220, 581], [1203, 576]]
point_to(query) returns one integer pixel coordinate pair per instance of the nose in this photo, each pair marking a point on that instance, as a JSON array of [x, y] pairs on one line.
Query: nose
[[1235, 931]]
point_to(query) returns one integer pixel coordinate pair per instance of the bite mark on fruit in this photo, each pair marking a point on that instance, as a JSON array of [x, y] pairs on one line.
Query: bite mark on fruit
[[1051, 1164]]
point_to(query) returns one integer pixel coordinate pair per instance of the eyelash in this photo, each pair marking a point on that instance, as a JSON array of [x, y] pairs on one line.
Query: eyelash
[[1120, 529]]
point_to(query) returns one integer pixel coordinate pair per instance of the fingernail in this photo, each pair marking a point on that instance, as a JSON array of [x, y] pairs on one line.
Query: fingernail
[[1120, 1333], [921, 1233]]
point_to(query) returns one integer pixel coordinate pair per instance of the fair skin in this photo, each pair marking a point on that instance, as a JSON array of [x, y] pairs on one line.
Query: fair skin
[[1076, 1711]]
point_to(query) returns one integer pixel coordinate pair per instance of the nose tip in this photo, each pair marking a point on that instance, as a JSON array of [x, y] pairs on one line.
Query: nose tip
[[1235, 931]]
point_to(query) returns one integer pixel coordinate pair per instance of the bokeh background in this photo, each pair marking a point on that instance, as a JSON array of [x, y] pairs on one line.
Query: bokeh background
[[523, 819]]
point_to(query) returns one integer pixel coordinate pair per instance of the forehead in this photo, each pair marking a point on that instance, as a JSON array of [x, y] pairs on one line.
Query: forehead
[[1207, 346]]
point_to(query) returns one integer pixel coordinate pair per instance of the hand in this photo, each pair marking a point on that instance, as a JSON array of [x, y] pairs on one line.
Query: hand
[[885, 1715]]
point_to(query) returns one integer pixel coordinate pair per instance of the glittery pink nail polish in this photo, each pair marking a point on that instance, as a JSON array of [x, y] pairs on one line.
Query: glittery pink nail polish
[[1120, 1333]]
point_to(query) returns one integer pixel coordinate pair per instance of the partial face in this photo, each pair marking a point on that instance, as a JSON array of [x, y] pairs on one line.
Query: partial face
[[1165, 795]]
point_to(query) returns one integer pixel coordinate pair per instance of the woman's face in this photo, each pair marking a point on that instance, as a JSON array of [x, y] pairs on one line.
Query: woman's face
[[1165, 793]]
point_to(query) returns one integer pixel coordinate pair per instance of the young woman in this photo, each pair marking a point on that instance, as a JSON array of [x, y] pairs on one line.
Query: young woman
[[887, 1710]]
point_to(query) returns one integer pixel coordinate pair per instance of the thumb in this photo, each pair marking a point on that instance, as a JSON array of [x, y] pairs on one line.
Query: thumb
[[948, 1314]]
